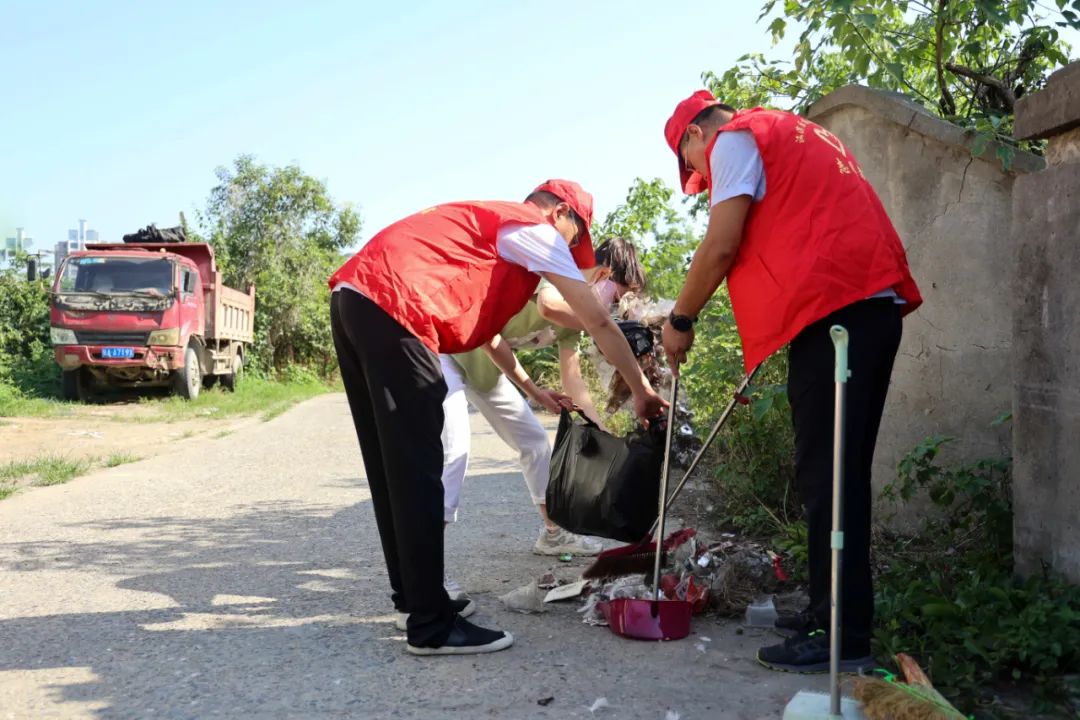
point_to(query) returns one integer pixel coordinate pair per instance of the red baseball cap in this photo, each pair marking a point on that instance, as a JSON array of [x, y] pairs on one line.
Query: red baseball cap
[[580, 202], [692, 182]]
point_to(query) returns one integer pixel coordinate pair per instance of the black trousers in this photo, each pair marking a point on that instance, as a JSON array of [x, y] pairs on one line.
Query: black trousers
[[874, 327], [395, 390]]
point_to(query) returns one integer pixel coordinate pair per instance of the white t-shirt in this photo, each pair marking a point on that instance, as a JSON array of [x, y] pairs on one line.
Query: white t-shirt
[[737, 169], [537, 248]]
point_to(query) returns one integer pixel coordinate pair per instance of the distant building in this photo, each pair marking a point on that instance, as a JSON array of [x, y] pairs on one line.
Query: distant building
[[21, 243], [76, 240]]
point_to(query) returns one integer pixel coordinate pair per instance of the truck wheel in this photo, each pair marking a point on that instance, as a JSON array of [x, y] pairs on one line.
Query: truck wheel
[[187, 381], [230, 381], [75, 385]]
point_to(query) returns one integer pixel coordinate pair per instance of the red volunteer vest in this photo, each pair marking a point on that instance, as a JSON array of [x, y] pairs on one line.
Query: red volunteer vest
[[819, 240], [439, 274]]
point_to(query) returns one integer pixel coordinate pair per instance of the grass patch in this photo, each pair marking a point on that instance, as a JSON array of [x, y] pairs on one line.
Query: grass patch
[[6, 489], [120, 458], [15, 404], [254, 396], [223, 434], [47, 470]]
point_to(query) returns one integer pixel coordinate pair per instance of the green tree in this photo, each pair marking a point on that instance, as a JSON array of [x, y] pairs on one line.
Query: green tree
[[966, 60], [277, 228], [26, 360]]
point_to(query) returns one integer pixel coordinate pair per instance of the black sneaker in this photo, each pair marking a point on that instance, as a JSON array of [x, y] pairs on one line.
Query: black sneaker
[[467, 639], [792, 625], [464, 607], [808, 653]]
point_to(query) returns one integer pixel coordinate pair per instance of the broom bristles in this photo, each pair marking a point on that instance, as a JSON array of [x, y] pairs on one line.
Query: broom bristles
[[884, 700], [619, 565]]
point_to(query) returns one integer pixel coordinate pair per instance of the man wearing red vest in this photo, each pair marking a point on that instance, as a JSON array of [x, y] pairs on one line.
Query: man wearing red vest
[[446, 280], [804, 243]]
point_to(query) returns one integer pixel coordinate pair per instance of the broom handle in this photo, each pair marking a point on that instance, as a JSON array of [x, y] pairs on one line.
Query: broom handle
[[669, 431], [840, 342], [705, 446]]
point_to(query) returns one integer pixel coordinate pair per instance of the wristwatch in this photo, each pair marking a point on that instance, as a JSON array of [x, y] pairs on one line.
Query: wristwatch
[[682, 323]]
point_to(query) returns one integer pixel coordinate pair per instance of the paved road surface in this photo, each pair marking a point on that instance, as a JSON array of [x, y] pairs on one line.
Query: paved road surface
[[241, 578]]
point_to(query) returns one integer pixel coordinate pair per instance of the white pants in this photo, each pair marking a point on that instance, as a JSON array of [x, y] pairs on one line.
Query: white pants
[[512, 420]]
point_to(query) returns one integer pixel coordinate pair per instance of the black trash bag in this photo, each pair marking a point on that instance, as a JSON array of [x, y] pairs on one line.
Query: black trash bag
[[604, 485], [152, 234]]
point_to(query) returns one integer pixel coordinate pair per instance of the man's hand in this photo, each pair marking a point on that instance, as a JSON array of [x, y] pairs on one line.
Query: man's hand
[[676, 346], [553, 401], [648, 405]]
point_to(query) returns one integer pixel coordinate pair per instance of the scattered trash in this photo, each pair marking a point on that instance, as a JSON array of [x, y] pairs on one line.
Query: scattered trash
[[566, 557], [652, 314], [526, 599], [704, 639], [591, 612], [761, 613], [566, 592], [547, 581], [600, 702], [544, 702], [672, 715], [700, 647], [86, 433]]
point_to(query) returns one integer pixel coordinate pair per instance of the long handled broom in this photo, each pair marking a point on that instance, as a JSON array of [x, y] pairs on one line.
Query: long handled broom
[[638, 557]]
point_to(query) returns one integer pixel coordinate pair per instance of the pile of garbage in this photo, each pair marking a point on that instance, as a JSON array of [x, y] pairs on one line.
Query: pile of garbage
[[727, 575], [651, 314]]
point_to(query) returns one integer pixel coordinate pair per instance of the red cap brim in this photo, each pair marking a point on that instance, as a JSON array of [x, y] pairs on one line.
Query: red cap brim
[[692, 181]]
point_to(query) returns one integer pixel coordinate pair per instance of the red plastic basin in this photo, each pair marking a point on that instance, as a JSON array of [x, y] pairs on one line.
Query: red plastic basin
[[648, 619]]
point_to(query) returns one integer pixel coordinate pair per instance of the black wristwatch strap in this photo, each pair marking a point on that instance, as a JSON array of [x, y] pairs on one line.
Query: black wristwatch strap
[[682, 323]]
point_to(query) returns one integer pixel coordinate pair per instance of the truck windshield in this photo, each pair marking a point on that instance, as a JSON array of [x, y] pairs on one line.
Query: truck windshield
[[117, 275]]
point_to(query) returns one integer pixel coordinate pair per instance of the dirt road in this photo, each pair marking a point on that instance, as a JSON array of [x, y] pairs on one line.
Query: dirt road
[[240, 577]]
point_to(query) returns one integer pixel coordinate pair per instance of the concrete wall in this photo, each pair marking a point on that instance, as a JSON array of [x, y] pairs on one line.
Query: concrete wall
[[953, 375], [1046, 322]]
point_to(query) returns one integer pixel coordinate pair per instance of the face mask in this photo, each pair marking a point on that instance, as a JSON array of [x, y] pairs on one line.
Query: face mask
[[607, 290]]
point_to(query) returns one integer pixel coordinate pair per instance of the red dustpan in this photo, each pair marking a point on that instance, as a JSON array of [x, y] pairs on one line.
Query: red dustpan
[[658, 619], [648, 619]]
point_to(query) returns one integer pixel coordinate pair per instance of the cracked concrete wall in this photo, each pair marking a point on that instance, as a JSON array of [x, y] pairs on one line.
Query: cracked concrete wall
[[953, 375], [1046, 350]]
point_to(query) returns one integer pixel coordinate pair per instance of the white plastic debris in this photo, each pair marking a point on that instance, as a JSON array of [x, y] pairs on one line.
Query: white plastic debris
[[672, 715], [599, 703], [526, 599], [761, 614], [566, 592]]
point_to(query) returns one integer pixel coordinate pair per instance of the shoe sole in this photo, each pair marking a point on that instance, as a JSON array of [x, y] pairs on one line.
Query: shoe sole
[[848, 667], [468, 610], [784, 632], [501, 644], [576, 552]]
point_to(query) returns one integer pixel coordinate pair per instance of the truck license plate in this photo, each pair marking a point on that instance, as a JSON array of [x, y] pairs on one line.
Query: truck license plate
[[118, 353]]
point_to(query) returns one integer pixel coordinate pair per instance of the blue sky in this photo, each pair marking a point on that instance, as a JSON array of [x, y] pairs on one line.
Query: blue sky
[[120, 112]]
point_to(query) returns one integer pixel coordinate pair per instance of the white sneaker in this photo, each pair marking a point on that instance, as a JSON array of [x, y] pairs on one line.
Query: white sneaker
[[453, 589], [464, 608], [561, 542]]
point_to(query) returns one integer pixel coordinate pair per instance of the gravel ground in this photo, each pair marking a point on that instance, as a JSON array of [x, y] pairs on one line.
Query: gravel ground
[[241, 577]]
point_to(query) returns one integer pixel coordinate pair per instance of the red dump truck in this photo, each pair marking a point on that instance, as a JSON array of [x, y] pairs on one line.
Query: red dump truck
[[145, 314]]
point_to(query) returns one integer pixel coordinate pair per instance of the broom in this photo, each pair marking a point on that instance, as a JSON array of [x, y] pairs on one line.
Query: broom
[[638, 557], [916, 699]]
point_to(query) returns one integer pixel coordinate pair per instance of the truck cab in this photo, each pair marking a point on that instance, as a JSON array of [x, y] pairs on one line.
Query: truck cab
[[145, 315]]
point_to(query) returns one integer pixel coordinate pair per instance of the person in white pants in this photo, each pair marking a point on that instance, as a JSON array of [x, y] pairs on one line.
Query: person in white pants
[[472, 378]]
